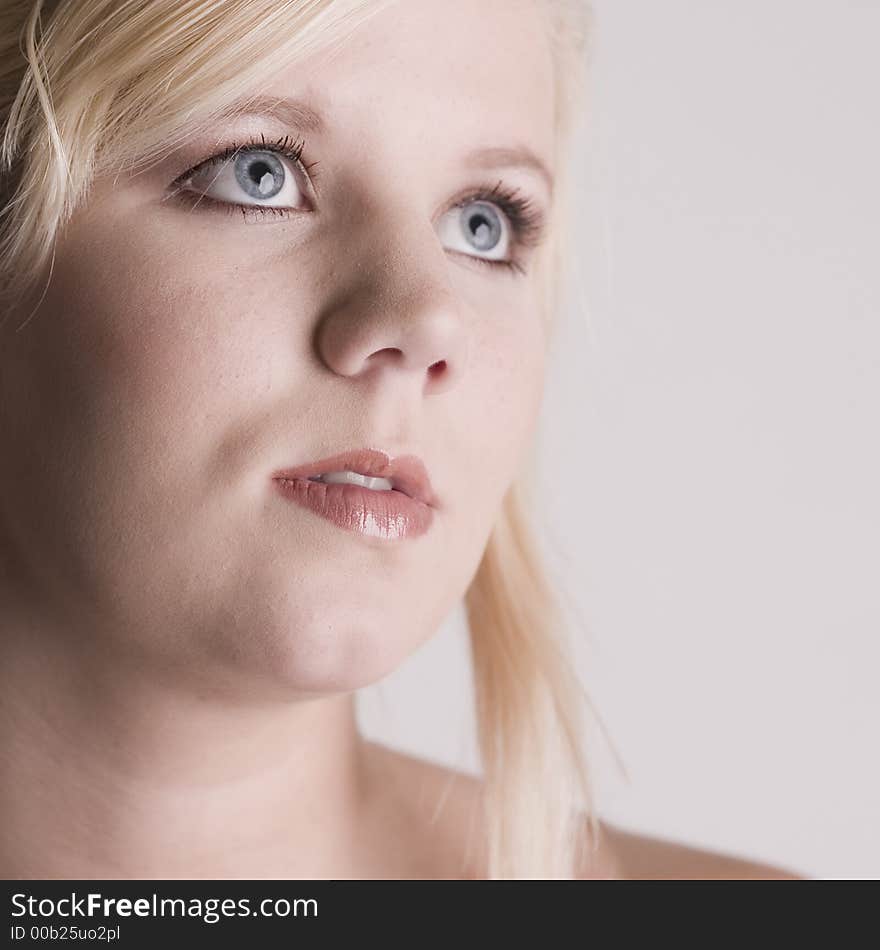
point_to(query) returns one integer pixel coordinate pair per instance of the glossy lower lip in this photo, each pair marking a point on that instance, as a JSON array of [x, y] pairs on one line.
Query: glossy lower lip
[[389, 515]]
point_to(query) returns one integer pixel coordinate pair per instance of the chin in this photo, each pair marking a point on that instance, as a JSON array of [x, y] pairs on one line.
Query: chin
[[343, 662], [314, 652]]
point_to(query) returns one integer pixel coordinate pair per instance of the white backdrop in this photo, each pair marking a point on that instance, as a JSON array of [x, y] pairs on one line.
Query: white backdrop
[[710, 437]]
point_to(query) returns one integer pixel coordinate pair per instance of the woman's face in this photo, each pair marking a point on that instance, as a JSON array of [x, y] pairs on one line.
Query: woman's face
[[186, 350]]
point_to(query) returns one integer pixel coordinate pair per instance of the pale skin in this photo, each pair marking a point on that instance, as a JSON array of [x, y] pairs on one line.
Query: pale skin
[[181, 648]]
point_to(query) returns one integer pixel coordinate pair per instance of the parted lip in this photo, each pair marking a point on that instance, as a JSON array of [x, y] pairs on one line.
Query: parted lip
[[407, 473]]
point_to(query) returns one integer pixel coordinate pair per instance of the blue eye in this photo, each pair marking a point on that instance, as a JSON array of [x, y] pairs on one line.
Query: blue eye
[[254, 175], [492, 225], [260, 174], [477, 228], [482, 226]]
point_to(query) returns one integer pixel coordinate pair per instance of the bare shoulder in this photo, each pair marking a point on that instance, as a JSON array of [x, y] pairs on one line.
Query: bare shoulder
[[643, 857], [436, 815]]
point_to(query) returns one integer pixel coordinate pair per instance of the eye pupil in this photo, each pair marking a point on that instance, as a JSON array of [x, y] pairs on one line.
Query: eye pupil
[[261, 176], [483, 227], [266, 182]]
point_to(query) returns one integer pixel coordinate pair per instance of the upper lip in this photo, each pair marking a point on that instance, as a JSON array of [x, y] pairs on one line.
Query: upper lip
[[407, 473]]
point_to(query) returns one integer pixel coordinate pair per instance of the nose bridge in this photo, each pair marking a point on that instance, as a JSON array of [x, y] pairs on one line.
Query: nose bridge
[[399, 307]]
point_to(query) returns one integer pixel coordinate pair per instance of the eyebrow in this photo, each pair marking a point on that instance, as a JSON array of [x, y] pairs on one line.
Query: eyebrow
[[513, 156], [291, 112], [295, 113]]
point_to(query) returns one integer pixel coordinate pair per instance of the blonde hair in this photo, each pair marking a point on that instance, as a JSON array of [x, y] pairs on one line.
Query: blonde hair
[[88, 87]]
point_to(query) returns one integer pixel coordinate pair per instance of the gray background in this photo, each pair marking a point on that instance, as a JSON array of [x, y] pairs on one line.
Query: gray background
[[709, 439]]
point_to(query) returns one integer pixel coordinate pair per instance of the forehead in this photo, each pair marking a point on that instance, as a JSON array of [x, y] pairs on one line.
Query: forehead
[[475, 72]]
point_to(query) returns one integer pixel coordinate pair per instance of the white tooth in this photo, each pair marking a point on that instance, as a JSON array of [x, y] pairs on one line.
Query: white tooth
[[355, 478]]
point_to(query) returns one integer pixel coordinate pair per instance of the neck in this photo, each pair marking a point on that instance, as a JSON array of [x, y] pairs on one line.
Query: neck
[[112, 771]]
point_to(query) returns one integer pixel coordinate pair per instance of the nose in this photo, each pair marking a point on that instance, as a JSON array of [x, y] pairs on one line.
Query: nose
[[399, 312]]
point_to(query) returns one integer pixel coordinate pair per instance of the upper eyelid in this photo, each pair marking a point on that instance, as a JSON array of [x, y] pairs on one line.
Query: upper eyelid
[[313, 177], [225, 155], [527, 225], [297, 114]]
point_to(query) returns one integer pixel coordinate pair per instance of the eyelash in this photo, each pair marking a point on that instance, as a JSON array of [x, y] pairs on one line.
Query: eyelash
[[526, 221]]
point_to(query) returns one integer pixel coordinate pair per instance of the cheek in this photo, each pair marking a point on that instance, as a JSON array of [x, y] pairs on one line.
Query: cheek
[[497, 414], [141, 352], [162, 326], [156, 342], [509, 374]]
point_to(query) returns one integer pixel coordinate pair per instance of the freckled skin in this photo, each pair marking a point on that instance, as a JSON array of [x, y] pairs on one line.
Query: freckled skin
[[178, 357], [181, 355], [164, 614]]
